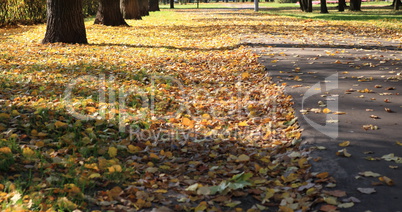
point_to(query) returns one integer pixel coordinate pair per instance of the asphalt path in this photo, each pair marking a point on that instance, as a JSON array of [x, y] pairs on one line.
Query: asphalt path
[[348, 95]]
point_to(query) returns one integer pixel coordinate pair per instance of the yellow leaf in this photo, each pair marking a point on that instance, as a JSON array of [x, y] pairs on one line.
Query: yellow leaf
[[28, 152], [161, 191], [326, 110], [40, 144], [285, 209], [5, 150], [59, 124], [115, 168], [398, 143], [4, 116], [206, 116], [386, 180], [154, 156], [94, 175], [301, 162], [133, 149], [243, 158], [91, 109], [201, 207], [243, 124], [41, 134], [322, 175], [15, 113], [112, 152], [245, 75], [344, 144], [331, 200], [187, 122], [115, 192]]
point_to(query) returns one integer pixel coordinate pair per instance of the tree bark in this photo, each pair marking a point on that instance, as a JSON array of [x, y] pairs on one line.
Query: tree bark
[[306, 5], [341, 5], [144, 7], [302, 7], [65, 22], [397, 4], [323, 7], [130, 9], [310, 6], [172, 4], [109, 13], [154, 5], [355, 5]]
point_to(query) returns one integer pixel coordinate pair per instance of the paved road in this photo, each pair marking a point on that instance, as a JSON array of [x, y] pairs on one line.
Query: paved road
[[361, 80]]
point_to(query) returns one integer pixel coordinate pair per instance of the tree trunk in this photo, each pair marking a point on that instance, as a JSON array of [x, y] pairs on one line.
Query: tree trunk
[[302, 7], [323, 7], [310, 6], [130, 9], [355, 5], [109, 13], [144, 7], [65, 22], [172, 4], [306, 5], [397, 4], [154, 5], [341, 5]]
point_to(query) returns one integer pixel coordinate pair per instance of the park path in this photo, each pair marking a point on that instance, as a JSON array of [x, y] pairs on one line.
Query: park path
[[360, 79]]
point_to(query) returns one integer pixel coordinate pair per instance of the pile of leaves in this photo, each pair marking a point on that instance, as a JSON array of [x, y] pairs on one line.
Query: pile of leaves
[[169, 114]]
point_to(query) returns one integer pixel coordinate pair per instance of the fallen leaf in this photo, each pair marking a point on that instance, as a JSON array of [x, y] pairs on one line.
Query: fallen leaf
[[369, 174], [346, 205], [328, 208], [326, 110], [344, 153], [386, 180], [366, 190], [243, 158], [344, 144], [112, 151]]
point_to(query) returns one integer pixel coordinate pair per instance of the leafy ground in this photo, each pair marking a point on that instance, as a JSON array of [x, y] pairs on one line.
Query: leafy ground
[[172, 112]]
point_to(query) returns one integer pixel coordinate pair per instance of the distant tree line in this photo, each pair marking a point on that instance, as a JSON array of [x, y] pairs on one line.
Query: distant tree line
[[34, 11]]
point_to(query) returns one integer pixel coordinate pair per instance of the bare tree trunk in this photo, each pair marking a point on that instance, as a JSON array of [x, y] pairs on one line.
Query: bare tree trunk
[[306, 5], [144, 7], [130, 9], [172, 4], [355, 5], [154, 5], [109, 13], [397, 4], [65, 22], [302, 6], [341, 5], [323, 7]]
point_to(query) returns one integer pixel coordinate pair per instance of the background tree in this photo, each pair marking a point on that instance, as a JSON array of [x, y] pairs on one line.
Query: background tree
[[172, 4], [109, 13], [154, 5], [306, 5], [144, 7], [355, 5], [65, 22], [130, 9], [396, 4], [323, 6], [341, 5]]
